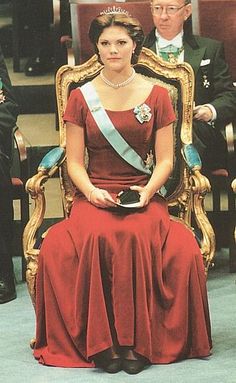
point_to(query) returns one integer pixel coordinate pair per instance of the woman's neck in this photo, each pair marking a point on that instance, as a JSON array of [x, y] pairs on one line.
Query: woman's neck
[[115, 80]]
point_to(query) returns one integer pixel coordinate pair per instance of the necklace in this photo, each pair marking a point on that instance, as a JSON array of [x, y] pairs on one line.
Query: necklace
[[121, 84]]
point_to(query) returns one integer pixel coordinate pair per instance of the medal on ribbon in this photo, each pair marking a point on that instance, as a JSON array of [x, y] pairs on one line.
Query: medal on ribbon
[[149, 162], [206, 82]]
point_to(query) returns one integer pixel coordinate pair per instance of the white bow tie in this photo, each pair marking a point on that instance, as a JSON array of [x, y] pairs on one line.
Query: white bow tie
[[177, 42]]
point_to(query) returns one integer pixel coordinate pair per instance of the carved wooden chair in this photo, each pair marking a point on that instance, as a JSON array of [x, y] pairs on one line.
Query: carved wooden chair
[[185, 189]]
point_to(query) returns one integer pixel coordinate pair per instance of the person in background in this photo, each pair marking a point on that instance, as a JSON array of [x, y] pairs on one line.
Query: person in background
[[39, 19], [8, 117], [46, 52], [120, 285], [215, 95]]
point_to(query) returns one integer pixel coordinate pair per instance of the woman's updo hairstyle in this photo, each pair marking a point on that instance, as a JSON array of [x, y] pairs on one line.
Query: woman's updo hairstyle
[[131, 24]]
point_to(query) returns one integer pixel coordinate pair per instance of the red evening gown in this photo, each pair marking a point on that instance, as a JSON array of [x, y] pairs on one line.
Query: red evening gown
[[135, 277]]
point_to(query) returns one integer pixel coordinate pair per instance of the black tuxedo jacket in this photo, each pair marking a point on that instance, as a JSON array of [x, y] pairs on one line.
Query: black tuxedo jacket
[[8, 111], [213, 82], [8, 115]]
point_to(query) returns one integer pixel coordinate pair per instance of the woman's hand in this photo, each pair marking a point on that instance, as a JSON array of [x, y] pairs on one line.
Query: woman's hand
[[144, 195], [101, 198]]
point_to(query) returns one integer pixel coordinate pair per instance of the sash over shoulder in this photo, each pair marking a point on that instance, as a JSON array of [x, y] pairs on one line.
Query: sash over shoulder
[[109, 131]]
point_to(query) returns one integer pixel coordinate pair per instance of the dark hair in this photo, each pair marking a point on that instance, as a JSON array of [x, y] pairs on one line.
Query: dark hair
[[131, 24]]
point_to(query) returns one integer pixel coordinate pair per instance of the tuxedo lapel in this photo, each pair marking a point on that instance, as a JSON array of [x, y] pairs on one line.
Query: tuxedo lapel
[[193, 56], [153, 48], [150, 41]]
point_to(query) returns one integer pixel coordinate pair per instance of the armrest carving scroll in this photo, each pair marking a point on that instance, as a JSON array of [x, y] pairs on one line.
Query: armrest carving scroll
[[201, 186]]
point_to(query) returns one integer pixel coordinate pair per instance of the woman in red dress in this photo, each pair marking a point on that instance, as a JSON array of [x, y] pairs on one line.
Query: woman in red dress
[[120, 287]]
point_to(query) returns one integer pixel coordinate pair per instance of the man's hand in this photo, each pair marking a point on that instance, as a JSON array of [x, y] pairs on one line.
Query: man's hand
[[202, 113]]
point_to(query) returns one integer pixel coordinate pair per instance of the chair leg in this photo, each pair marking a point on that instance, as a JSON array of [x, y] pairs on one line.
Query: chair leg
[[232, 254], [223, 221]]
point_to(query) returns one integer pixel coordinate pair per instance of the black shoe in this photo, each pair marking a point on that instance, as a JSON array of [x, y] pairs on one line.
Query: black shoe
[[113, 366], [38, 66], [7, 288], [134, 366], [110, 365]]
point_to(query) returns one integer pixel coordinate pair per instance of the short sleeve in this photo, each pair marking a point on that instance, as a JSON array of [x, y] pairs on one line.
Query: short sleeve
[[165, 114], [76, 108]]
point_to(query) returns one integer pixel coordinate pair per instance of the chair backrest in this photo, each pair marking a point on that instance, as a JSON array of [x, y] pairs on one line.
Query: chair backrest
[[178, 79], [216, 19], [83, 12]]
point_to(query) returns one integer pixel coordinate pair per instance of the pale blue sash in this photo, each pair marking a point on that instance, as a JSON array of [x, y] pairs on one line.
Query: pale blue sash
[[109, 131]]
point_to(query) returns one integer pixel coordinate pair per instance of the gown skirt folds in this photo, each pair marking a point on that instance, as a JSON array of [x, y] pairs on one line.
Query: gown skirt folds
[[129, 276]]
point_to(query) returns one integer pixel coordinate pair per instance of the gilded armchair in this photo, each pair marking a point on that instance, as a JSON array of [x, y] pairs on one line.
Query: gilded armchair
[[185, 189]]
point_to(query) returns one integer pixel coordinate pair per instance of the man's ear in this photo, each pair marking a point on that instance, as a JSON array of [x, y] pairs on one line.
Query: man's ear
[[188, 11]]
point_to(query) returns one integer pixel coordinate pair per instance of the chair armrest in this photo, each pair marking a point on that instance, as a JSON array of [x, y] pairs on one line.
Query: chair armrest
[[20, 144], [191, 157], [46, 169], [234, 185], [230, 135], [52, 161], [66, 41], [35, 187], [200, 185], [194, 163]]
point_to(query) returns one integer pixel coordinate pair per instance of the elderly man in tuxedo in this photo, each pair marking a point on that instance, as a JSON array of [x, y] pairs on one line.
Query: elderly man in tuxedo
[[8, 116], [215, 95]]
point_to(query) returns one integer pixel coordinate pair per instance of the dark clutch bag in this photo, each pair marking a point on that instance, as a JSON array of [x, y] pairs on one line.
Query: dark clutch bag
[[128, 196]]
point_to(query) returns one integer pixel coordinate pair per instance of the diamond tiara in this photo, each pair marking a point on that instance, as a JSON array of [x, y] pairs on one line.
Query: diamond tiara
[[113, 10]]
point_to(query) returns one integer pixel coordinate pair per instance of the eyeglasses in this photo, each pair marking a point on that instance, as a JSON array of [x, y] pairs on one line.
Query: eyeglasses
[[170, 9]]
